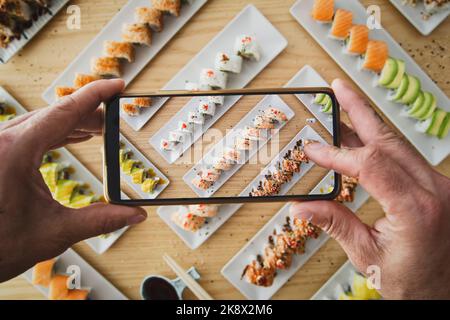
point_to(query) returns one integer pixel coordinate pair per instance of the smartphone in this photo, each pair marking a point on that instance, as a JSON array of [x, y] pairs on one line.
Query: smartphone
[[221, 146]]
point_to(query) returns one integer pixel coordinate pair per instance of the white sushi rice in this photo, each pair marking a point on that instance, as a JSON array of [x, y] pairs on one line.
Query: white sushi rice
[[195, 117], [176, 136], [213, 79], [184, 126], [228, 63], [207, 108], [247, 47], [218, 100]]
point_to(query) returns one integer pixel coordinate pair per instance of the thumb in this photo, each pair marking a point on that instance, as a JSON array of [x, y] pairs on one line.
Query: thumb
[[100, 218], [355, 237]]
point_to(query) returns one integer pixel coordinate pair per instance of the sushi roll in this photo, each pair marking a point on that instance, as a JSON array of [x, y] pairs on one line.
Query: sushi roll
[[195, 118], [357, 41], [264, 122], [119, 50], [64, 91], [247, 47], [275, 115], [290, 165], [43, 273], [199, 183], [220, 163], [204, 210], [172, 7], [342, 23], [188, 221], [434, 6], [210, 175], [167, 145], [213, 79], [376, 56], [149, 185], [323, 11], [176, 136], [207, 108], [150, 16], [185, 127], [130, 109], [244, 144], [77, 294], [228, 63], [106, 67], [58, 287], [231, 154], [194, 86], [258, 274], [217, 100], [83, 79], [254, 133], [137, 33], [142, 102]]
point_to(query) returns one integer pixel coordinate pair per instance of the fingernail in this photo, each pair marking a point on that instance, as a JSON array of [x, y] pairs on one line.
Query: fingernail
[[136, 219], [314, 145], [298, 212]]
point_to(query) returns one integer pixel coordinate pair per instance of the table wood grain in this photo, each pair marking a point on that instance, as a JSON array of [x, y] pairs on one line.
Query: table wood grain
[[139, 251]]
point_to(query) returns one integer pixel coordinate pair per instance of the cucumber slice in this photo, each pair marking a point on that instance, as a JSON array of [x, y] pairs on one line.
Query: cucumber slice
[[319, 98], [436, 121], [428, 113], [412, 92], [416, 110], [389, 72], [401, 90], [401, 67], [445, 127]]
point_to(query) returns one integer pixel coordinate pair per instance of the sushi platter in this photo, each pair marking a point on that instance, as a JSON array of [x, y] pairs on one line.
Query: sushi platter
[[307, 76], [135, 167], [9, 106], [236, 148], [346, 284], [263, 31], [233, 270], [424, 18], [380, 73], [93, 285], [114, 31], [34, 16]]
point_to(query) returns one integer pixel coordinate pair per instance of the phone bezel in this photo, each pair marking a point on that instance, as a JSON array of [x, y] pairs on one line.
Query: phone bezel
[[111, 131]]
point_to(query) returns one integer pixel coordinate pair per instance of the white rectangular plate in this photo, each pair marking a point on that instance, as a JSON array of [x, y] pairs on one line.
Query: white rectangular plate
[[268, 101], [101, 289], [11, 101], [147, 164], [195, 239], [112, 31], [248, 21], [7, 53], [232, 271], [307, 133], [308, 77], [337, 284], [414, 15], [81, 173], [433, 149]]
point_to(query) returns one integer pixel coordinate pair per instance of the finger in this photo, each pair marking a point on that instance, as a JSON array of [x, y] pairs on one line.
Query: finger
[[356, 238], [349, 137], [366, 122], [100, 218], [55, 123], [93, 123], [383, 178], [71, 141]]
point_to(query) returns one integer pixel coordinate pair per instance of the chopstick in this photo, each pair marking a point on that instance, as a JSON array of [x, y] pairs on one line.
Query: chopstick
[[187, 279]]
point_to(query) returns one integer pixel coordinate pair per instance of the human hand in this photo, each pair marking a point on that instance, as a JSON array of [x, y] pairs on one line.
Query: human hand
[[411, 244], [33, 226]]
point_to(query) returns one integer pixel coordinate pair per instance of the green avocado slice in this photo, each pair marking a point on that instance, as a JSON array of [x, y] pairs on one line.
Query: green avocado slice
[[417, 109], [401, 67], [389, 72], [401, 90], [445, 127], [413, 90], [436, 122], [426, 113]]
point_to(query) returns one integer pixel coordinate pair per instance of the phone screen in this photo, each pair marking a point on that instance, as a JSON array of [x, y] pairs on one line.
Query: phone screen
[[211, 146]]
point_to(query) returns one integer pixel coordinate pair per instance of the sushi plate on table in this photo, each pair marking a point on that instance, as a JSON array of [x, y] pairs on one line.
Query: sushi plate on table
[[137, 155], [100, 288], [113, 31], [432, 148], [308, 77], [232, 271], [226, 143], [16, 45], [249, 21], [415, 15], [10, 101], [195, 239]]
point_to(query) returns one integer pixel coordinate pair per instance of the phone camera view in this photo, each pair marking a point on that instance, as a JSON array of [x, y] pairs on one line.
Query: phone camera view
[[223, 145]]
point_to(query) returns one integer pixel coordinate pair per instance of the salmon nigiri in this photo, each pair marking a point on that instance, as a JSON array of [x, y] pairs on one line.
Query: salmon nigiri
[[43, 272], [77, 294], [342, 24], [376, 56], [58, 287], [323, 10], [358, 39]]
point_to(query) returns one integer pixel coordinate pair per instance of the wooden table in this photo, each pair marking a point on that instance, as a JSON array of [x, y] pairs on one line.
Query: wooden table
[[139, 251]]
